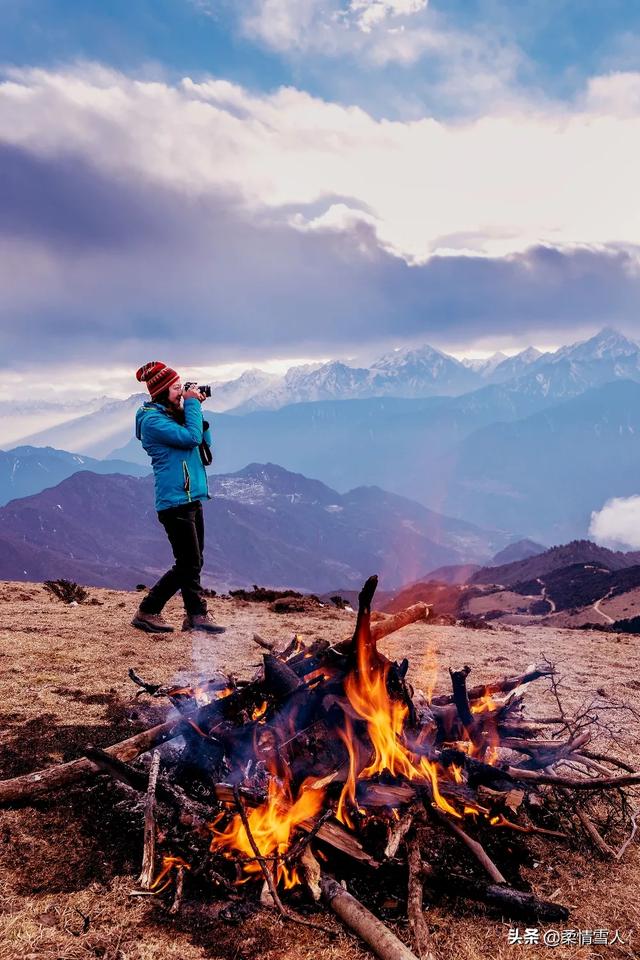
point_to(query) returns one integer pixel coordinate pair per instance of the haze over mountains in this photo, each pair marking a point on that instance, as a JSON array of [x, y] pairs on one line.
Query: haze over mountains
[[28, 470], [530, 445], [264, 525]]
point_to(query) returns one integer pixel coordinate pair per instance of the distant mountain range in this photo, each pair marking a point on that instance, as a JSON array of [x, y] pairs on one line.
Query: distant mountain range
[[545, 441], [28, 470], [264, 525], [570, 585], [569, 554]]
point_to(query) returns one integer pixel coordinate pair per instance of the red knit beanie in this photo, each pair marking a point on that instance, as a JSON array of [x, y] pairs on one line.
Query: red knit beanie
[[157, 376]]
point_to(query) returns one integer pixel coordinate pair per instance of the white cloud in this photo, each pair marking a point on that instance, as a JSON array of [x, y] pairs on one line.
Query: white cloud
[[378, 31], [368, 13], [618, 523], [150, 219], [491, 186]]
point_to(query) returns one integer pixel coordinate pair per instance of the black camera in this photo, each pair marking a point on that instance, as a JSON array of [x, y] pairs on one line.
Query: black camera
[[202, 388]]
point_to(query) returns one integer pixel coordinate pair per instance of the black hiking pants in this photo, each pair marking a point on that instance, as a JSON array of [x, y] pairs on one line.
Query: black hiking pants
[[185, 528]]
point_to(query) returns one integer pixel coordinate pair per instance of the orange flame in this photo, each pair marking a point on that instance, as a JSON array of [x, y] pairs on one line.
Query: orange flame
[[272, 825], [259, 711], [485, 704], [203, 694], [168, 864], [366, 689]]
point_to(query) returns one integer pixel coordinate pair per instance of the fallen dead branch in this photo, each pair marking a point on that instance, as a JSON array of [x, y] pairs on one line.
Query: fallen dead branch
[[354, 915], [149, 844]]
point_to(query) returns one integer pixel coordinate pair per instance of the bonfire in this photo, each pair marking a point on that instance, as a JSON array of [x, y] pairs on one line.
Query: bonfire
[[326, 781]]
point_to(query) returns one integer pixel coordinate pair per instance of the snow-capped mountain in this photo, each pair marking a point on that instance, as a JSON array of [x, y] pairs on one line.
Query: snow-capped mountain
[[607, 346], [511, 367], [311, 382], [420, 372], [485, 367], [516, 386], [604, 358], [233, 393], [412, 372]]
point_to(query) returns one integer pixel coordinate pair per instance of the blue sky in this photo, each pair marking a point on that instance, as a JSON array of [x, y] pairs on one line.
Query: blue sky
[[560, 42], [296, 178]]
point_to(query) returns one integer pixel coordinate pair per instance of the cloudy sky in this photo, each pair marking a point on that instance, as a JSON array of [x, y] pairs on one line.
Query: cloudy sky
[[218, 184]]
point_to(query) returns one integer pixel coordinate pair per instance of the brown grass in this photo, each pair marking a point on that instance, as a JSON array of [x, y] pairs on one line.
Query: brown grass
[[63, 675]]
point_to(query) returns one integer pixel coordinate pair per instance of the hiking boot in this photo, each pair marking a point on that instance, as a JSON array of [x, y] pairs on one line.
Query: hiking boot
[[151, 622], [201, 621]]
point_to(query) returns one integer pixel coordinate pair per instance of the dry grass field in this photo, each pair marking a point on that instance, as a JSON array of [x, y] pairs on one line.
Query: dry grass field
[[68, 863]]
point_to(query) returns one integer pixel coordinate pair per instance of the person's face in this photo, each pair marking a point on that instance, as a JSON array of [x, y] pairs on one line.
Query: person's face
[[175, 394]]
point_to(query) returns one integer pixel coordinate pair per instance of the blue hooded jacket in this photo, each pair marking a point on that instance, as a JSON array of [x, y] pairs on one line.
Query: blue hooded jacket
[[178, 470]]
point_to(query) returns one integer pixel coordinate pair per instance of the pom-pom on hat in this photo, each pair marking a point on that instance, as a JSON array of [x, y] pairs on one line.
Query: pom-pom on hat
[[157, 376]]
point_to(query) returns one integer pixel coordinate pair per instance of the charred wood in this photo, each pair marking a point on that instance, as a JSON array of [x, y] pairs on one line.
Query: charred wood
[[513, 903]]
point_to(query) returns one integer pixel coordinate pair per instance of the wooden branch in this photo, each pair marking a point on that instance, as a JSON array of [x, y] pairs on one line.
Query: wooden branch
[[417, 924], [311, 872], [413, 614], [499, 686], [614, 761], [31, 785], [149, 846], [598, 841], [266, 644], [191, 813], [280, 679], [634, 829], [266, 873], [354, 915], [336, 836], [117, 769], [511, 902], [544, 753], [177, 897], [574, 783], [460, 696], [399, 831], [20, 790], [475, 847], [396, 621], [297, 849]]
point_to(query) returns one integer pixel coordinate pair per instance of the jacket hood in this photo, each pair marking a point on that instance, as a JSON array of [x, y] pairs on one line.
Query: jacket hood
[[141, 413]]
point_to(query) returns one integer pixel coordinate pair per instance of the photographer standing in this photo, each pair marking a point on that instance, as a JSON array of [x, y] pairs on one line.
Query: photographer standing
[[177, 439]]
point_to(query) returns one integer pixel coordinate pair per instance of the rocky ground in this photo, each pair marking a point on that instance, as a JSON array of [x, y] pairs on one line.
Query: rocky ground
[[69, 862]]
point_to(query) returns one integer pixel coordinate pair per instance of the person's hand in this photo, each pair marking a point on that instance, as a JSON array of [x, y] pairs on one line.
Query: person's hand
[[192, 392]]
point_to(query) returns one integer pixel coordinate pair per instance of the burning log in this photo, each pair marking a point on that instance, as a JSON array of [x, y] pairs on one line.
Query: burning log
[[506, 685], [399, 832], [177, 898], [311, 873], [266, 873]]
